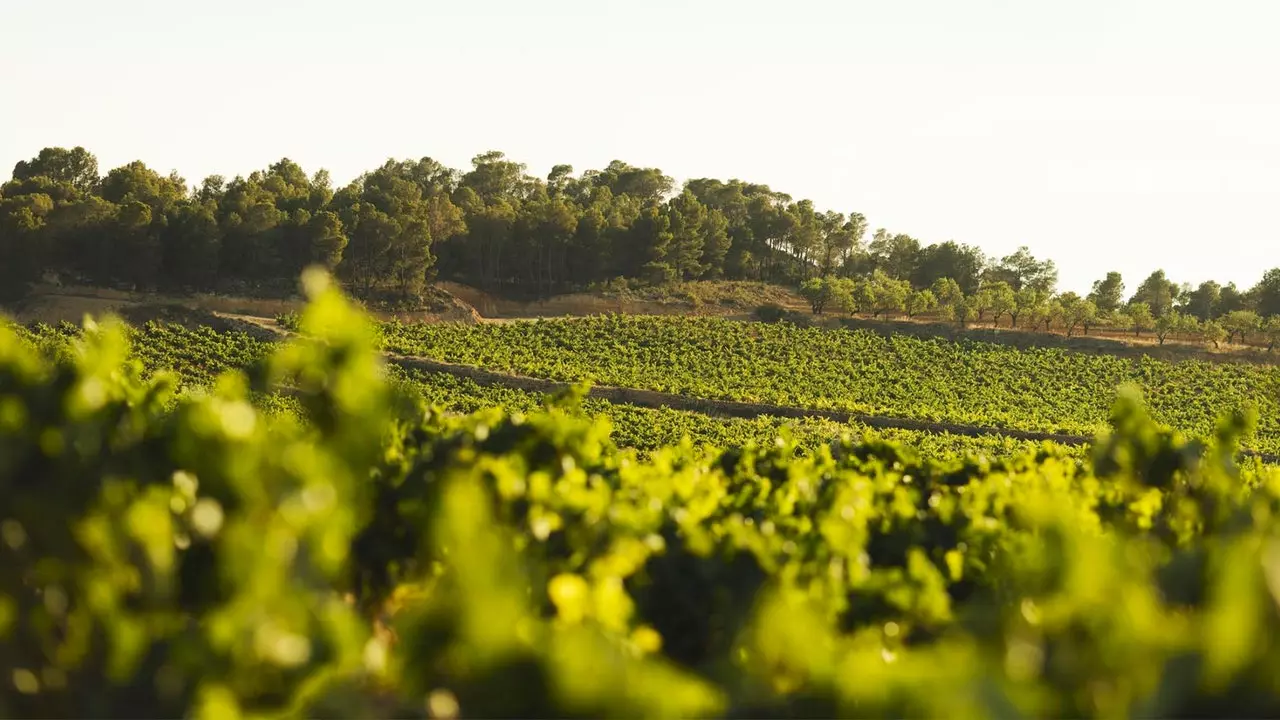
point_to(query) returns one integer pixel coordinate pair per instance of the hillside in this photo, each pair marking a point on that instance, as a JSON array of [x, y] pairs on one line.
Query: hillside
[[56, 303]]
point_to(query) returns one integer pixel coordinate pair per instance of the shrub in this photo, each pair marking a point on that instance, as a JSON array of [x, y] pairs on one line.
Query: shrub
[[771, 313]]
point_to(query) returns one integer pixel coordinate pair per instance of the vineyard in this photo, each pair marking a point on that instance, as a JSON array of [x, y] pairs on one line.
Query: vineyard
[[201, 523], [984, 384], [196, 357], [646, 429]]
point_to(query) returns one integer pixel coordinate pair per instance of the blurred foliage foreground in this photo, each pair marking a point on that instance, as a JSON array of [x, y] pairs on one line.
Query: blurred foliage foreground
[[191, 556]]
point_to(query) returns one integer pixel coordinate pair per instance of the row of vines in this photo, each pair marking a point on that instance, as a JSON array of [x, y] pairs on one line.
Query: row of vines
[[182, 553], [984, 384]]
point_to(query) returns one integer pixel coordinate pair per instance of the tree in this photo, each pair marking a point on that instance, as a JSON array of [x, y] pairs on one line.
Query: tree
[[1120, 320], [481, 252], [1108, 293], [137, 245], [839, 238], [962, 263], [863, 296], [1239, 323], [1231, 299], [1174, 322], [1158, 292], [1026, 301], [1045, 314], [601, 231], [1093, 319], [368, 256], [895, 255], [388, 215], [1271, 331], [136, 181], [1213, 332], [981, 302], [715, 244], [559, 179], [410, 257], [1203, 302], [145, 200], [1020, 269], [1003, 300], [541, 240], [326, 240], [267, 217], [192, 244], [211, 190], [648, 185], [845, 299], [688, 216], [1140, 318], [947, 292], [825, 292], [444, 219], [888, 294], [920, 301], [801, 243], [962, 312], [77, 167], [24, 243], [494, 178], [647, 243], [753, 220], [1076, 311], [495, 225], [1266, 294]]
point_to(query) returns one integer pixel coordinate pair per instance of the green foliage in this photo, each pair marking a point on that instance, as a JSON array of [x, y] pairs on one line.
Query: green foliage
[[1108, 293], [1046, 389], [1175, 322], [173, 558], [920, 301], [395, 228], [1158, 292], [826, 292], [1240, 323], [176, 556], [770, 313]]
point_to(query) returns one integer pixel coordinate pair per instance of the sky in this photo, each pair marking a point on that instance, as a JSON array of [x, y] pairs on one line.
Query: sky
[[1105, 134]]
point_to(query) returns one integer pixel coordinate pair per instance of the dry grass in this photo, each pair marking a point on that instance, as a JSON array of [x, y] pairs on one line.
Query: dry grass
[[54, 304], [705, 297]]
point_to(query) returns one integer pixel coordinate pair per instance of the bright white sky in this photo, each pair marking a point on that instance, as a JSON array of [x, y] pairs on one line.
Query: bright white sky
[[1105, 134]]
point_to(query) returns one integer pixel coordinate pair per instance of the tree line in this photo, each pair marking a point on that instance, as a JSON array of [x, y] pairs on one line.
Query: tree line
[[1210, 312], [392, 230]]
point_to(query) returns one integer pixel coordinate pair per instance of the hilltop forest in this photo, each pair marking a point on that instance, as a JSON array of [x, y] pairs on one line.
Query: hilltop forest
[[392, 230]]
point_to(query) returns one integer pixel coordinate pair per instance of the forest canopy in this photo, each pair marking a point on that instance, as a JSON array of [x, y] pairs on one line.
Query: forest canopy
[[394, 229]]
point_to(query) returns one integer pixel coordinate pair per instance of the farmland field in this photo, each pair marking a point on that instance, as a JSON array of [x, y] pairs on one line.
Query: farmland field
[[198, 355], [313, 538], [973, 383]]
